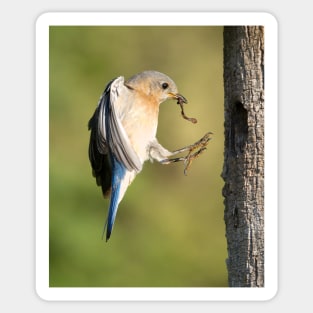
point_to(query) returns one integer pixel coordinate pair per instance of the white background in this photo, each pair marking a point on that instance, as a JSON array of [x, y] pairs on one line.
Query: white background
[[17, 258]]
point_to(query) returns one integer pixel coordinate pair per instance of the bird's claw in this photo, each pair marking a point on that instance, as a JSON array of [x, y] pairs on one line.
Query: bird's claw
[[201, 144], [194, 151]]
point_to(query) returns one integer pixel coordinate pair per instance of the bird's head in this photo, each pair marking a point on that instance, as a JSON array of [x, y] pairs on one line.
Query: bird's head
[[157, 85]]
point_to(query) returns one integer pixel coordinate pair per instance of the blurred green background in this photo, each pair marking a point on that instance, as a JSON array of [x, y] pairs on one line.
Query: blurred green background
[[169, 230]]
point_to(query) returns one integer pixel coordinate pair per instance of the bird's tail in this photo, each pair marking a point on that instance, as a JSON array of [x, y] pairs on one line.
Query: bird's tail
[[108, 226], [121, 179], [118, 176], [112, 214]]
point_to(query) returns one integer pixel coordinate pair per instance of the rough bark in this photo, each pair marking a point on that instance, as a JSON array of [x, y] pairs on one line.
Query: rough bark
[[243, 170]]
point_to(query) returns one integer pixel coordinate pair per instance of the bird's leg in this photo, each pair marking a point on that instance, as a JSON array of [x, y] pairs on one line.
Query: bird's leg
[[194, 151]]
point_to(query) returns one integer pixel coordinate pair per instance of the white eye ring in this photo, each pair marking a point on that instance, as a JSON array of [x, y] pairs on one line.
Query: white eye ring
[[164, 85]]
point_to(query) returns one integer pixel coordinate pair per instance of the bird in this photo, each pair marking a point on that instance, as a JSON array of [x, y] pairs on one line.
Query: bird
[[123, 132]]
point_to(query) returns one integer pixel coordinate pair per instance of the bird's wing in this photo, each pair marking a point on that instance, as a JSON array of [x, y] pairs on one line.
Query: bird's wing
[[108, 133], [116, 135], [98, 147]]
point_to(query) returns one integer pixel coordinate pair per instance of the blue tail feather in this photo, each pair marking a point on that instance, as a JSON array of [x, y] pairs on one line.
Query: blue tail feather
[[118, 173]]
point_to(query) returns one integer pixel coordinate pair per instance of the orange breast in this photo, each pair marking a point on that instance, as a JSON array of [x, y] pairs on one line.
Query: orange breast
[[141, 122]]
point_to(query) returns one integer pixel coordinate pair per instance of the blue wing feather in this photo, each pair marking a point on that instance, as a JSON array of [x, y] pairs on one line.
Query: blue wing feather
[[110, 151]]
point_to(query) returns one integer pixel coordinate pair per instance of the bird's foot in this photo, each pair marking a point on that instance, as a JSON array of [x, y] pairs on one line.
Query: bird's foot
[[194, 151]]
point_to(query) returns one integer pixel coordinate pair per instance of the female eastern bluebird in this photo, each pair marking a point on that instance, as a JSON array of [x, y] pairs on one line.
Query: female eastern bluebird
[[123, 133]]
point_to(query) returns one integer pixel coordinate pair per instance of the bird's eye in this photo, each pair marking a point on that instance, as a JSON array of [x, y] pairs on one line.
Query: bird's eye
[[164, 85]]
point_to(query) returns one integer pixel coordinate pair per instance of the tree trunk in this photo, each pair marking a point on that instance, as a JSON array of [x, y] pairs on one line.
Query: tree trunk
[[243, 170]]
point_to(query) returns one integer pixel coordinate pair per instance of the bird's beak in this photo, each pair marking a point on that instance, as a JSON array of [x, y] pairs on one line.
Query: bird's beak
[[179, 97]]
